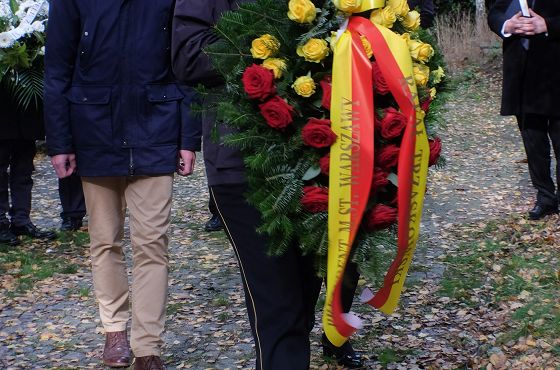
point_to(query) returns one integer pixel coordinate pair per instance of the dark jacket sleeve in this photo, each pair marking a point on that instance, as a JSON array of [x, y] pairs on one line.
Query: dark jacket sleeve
[[497, 16], [553, 27], [427, 14], [427, 11], [192, 31], [191, 132], [63, 35]]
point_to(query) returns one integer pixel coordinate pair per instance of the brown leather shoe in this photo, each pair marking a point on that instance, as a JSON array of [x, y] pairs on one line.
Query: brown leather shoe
[[116, 352], [148, 363]]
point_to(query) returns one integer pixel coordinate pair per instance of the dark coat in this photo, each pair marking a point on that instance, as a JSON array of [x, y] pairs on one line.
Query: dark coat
[[110, 95], [427, 11], [192, 31], [17, 124], [531, 78]]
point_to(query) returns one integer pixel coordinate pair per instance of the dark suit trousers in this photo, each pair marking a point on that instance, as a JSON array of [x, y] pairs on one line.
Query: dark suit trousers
[[536, 131], [349, 285], [212, 204], [17, 155], [72, 197], [280, 292]]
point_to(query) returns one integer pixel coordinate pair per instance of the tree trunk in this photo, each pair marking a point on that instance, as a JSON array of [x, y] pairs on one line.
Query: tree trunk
[[480, 15]]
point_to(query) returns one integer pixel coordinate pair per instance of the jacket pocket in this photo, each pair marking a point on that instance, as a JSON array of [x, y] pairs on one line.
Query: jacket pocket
[[90, 115], [162, 114]]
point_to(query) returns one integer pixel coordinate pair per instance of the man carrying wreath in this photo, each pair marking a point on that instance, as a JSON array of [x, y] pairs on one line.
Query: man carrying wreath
[[280, 292]]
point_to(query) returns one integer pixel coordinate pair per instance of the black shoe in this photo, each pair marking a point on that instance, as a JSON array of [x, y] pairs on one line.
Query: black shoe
[[71, 224], [213, 224], [344, 355], [541, 210], [7, 237], [31, 230]]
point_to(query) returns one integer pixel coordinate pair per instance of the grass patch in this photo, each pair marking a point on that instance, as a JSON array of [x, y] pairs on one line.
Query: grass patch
[[514, 263], [76, 239], [28, 267], [388, 356], [220, 301], [465, 270], [173, 308]]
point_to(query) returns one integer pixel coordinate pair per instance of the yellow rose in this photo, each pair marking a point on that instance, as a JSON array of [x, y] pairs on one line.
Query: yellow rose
[[433, 92], [264, 46], [399, 6], [332, 40], [412, 20], [406, 37], [276, 65], [347, 6], [421, 74], [367, 46], [383, 16], [420, 51], [438, 75], [314, 50], [304, 86], [302, 11]]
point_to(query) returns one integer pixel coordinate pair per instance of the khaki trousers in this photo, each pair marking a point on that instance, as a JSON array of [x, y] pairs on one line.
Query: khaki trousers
[[149, 203]]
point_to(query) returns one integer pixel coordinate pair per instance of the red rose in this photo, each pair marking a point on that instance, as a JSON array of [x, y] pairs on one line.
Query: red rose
[[317, 133], [392, 124], [379, 83], [379, 179], [381, 217], [326, 86], [325, 163], [425, 105], [388, 156], [315, 199], [435, 150], [276, 112], [258, 82]]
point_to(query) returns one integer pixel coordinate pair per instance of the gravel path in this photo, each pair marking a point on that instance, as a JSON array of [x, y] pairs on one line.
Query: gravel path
[[55, 325]]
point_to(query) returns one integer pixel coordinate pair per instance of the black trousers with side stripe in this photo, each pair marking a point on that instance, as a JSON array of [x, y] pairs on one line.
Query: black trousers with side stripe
[[280, 292], [17, 183]]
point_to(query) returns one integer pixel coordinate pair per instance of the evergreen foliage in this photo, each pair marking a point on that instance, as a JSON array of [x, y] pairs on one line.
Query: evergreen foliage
[[278, 162]]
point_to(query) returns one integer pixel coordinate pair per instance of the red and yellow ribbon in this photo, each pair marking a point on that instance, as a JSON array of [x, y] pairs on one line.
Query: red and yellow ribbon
[[351, 167]]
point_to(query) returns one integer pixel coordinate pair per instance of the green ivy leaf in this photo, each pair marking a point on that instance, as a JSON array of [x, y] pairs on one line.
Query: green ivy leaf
[[393, 178], [311, 173]]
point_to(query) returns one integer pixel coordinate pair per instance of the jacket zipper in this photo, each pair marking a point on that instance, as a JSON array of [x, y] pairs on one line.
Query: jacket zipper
[[131, 163]]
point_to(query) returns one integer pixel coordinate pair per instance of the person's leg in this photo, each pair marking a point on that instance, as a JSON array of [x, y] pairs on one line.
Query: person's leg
[[5, 156], [21, 181], [311, 288], [72, 202], [273, 286], [534, 131], [214, 223], [345, 354], [6, 235], [21, 186], [106, 211], [149, 204]]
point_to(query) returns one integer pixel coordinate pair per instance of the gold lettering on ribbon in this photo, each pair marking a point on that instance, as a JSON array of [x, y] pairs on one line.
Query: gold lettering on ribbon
[[409, 88]]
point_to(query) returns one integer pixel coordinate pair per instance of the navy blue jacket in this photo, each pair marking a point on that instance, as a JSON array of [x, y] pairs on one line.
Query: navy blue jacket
[[110, 95]]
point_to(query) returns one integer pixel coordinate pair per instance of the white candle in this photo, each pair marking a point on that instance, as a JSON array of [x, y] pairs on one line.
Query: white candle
[[524, 8]]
